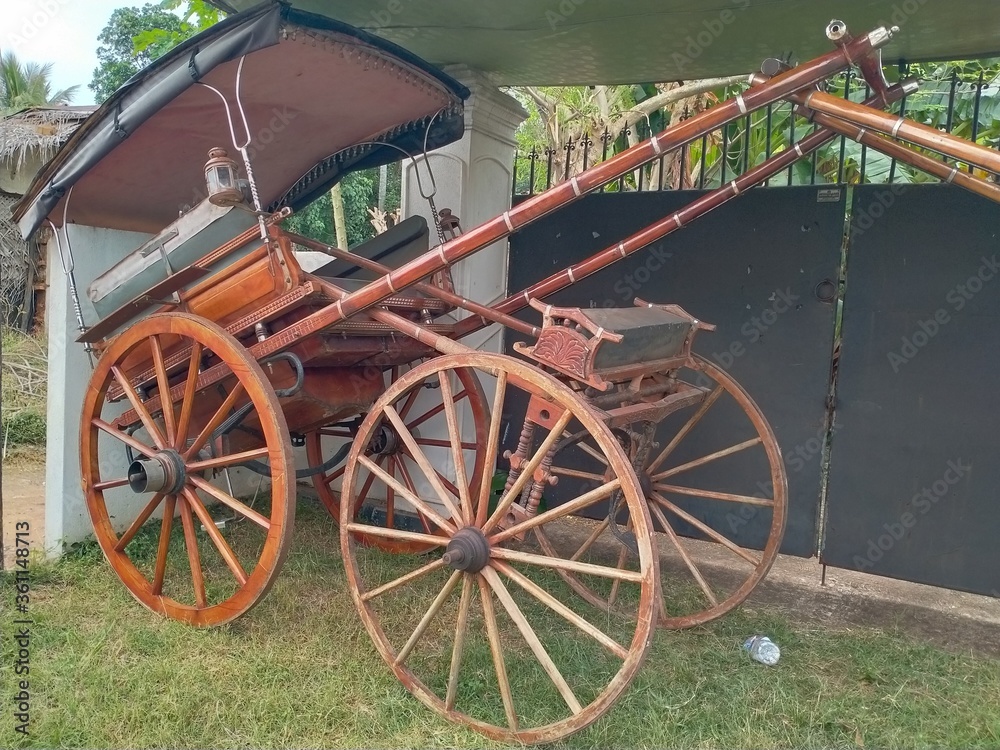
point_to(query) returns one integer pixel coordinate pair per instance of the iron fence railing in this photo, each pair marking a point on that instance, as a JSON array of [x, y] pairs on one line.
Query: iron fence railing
[[954, 104]]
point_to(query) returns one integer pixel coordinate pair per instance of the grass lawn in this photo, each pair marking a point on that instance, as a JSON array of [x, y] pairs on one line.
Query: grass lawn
[[300, 671]]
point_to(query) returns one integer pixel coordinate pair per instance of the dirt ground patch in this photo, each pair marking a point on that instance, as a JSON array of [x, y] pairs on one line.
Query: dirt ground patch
[[23, 500]]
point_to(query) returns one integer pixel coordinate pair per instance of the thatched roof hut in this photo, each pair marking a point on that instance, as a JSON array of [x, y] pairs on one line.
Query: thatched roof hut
[[32, 136], [28, 139]]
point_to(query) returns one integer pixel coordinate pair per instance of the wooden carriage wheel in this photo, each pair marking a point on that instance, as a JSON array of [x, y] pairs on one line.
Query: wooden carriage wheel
[[488, 634], [223, 559], [423, 412], [733, 480]]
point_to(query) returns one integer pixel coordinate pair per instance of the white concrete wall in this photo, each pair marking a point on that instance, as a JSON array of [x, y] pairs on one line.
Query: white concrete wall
[[66, 518]]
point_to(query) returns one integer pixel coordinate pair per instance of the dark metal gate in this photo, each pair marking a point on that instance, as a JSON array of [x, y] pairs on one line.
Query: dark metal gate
[[758, 270], [915, 470]]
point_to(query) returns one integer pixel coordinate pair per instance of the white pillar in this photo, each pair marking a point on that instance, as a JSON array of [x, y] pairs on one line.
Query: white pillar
[[94, 250], [474, 179]]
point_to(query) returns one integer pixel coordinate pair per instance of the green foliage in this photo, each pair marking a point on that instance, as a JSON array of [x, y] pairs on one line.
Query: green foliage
[[195, 16], [749, 141], [120, 57], [27, 85], [360, 190]]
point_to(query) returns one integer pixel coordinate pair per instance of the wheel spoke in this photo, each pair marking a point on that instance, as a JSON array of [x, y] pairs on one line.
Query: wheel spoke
[[233, 458], [163, 386], [194, 557], [457, 456], [728, 497], [527, 470], [411, 497], [588, 498], [688, 426], [187, 405], [575, 566], [329, 432], [143, 516], [422, 461], [706, 529], [588, 449], [216, 420], [124, 437], [390, 494], [225, 551], [588, 543], [428, 616], [166, 525], [561, 609], [589, 475], [334, 476], [529, 635], [231, 501], [492, 446], [434, 412], [456, 653], [496, 648], [110, 484], [398, 534], [707, 459], [616, 584], [139, 407], [411, 576], [436, 443], [695, 571]]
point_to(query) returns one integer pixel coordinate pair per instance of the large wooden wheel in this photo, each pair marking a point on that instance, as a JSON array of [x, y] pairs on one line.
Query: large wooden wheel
[[422, 410], [142, 460], [717, 493], [488, 634]]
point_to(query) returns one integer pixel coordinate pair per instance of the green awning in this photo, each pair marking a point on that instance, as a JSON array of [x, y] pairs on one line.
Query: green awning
[[562, 42]]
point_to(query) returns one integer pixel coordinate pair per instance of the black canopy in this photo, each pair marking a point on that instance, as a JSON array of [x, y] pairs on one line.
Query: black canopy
[[320, 99]]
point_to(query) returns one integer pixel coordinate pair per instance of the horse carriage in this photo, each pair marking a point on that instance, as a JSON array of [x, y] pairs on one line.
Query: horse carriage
[[214, 349]]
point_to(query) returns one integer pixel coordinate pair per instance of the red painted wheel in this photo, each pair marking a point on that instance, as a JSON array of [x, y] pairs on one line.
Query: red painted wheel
[[221, 560], [423, 412]]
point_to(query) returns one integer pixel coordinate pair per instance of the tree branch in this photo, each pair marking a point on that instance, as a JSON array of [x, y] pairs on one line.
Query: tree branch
[[654, 103]]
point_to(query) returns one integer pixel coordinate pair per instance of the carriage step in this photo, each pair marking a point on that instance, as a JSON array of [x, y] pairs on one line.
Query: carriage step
[[599, 346]]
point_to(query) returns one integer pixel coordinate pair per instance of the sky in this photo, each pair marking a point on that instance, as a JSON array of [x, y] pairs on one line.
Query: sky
[[61, 32]]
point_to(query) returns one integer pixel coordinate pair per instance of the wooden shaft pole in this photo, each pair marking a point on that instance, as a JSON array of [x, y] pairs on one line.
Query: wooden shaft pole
[[696, 209], [486, 234]]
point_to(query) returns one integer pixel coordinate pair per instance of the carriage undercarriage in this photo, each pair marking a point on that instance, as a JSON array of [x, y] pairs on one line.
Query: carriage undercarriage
[[472, 578]]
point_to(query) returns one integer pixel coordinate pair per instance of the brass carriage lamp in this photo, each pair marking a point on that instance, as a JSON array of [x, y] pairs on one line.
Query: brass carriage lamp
[[221, 179]]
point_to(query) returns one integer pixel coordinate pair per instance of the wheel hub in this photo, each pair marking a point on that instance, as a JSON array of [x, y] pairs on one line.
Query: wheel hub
[[384, 442], [162, 472], [468, 550]]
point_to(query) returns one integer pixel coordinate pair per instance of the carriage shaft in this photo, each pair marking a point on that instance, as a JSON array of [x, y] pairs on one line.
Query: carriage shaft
[[694, 210], [500, 227], [456, 300], [904, 153]]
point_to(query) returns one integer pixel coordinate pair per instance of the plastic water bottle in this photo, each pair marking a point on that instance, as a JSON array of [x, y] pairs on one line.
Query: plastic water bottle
[[762, 649]]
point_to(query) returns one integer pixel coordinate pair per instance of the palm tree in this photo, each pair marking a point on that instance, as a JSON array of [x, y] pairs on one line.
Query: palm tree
[[27, 85]]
